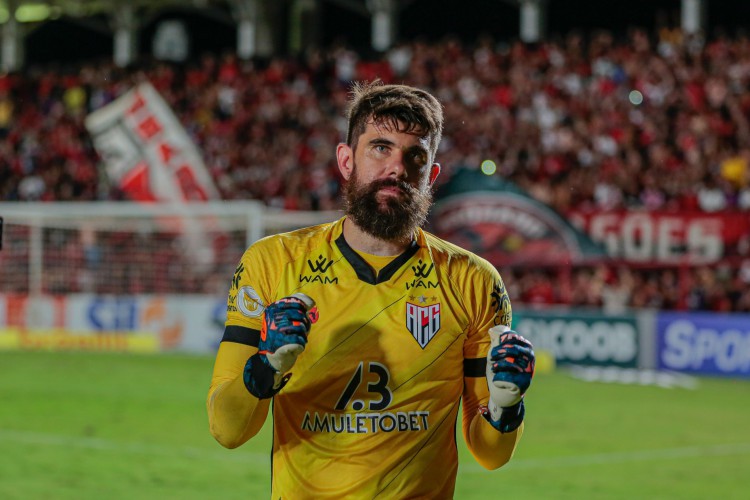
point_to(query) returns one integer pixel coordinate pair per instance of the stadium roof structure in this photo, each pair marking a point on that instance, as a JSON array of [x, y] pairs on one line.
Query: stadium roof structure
[[41, 10], [117, 18], [257, 21], [267, 27]]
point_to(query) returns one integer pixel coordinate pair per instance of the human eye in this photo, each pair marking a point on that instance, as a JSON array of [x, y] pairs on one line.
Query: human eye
[[380, 149], [418, 157]]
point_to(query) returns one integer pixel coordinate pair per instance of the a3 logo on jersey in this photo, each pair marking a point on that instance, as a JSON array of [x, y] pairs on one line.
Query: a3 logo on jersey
[[423, 321]]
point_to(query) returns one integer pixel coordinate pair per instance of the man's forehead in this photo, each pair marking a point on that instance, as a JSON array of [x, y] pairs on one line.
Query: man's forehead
[[386, 126]]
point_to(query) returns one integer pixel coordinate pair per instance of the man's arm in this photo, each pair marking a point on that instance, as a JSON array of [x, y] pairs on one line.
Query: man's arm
[[498, 366], [246, 378], [234, 415], [490, 447]]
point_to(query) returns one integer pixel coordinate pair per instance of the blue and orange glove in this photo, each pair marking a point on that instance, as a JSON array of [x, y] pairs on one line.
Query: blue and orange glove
[[283, 337], [510, 368]]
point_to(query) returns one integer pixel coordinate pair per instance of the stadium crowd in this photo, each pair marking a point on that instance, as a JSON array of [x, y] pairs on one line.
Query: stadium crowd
[[582, 123]]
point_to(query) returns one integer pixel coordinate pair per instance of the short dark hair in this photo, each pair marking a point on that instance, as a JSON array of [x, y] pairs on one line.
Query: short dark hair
[[416, 110]]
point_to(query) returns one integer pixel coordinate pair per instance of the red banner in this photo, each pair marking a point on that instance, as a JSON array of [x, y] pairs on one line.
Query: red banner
[[668, 238]]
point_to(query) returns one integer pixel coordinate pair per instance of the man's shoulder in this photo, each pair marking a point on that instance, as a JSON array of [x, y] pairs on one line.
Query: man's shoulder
[[449, 250], [296, 241], [455, 257]]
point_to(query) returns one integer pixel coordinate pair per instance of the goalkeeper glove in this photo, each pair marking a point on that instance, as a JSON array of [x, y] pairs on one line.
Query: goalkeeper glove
[[283, 337], [510, 368]]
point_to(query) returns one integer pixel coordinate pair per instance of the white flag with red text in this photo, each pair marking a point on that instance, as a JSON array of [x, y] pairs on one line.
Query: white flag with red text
[[148, 154], [146, 150]]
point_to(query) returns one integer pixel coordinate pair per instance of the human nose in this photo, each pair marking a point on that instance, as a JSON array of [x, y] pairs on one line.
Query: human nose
[[396, 166]]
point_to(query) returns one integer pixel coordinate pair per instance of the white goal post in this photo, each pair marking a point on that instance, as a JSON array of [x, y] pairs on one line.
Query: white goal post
[[124, 248]]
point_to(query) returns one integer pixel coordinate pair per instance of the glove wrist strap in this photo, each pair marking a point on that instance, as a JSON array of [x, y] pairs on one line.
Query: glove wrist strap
[[510, 418], [260, 378]]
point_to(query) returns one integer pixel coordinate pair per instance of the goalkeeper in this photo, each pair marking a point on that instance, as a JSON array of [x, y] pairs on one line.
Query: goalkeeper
[[363, 335]]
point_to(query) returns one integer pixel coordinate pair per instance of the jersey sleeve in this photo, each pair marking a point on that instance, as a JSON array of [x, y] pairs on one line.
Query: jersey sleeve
[[489, 305], [252, 286]]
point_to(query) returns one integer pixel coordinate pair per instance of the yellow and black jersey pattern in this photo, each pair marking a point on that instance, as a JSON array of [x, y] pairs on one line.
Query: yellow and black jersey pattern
[[371, 407]]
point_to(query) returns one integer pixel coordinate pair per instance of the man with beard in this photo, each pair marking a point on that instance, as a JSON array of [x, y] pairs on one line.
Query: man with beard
[[402, 328]]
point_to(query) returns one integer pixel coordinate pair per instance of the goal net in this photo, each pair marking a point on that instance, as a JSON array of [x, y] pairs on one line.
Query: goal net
[[130, 248]]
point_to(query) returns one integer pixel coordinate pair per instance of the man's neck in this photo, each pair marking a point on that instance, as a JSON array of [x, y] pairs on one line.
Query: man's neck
[[367, 243]]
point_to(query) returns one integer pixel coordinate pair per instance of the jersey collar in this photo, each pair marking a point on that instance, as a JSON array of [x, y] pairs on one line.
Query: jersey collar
[[364, 271]]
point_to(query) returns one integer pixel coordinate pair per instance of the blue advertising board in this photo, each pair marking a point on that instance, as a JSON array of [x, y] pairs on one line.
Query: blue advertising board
[[704, 343]]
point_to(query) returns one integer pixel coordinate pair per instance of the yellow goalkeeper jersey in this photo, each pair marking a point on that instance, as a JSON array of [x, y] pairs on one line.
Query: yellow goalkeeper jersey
[[370, 410]]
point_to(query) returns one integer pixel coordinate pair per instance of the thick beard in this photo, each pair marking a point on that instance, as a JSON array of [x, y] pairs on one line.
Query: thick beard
[[395, 219]]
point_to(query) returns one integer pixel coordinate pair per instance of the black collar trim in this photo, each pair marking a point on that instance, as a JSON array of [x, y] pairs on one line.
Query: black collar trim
[[364, 271]]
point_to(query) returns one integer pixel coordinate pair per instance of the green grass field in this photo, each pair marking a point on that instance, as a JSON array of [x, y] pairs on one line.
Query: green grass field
[[90, 426]]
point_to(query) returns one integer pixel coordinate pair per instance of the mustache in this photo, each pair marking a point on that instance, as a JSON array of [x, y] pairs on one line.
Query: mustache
[[390, 182], [400, 216]]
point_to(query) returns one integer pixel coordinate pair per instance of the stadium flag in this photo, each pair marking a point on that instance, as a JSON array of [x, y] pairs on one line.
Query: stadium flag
[[146, 150], [150, 156], [499, 221]]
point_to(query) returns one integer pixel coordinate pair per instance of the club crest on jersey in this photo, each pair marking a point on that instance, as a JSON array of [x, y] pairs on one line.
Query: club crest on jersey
[[423, 322]]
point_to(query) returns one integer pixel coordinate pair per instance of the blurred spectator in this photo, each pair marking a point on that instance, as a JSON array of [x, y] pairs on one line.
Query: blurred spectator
[[537, 288], [617, 290], [659, 124], [656, 122]]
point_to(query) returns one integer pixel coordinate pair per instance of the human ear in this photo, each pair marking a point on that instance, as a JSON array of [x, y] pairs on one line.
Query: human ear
[[434, 172], [345, 160]]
